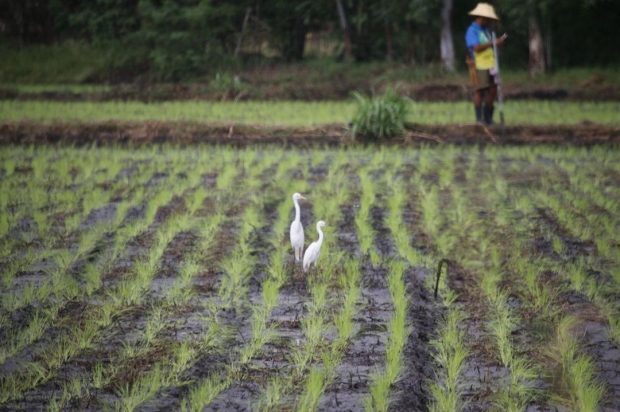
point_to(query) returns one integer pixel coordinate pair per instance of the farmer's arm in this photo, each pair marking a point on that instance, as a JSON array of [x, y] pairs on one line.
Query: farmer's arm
[[484, 46]]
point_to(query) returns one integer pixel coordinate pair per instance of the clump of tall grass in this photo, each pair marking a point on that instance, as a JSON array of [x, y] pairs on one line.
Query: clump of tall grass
[[380, 117]]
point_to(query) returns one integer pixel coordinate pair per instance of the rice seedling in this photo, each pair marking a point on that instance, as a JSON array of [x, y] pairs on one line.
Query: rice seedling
[[351, 290], [24, 337], [314, 387], [579, 388], [237, 267], [394, 222], [261, 333], [155, 324], [450, 353], [379, 399], [67, 348], [365, 233], [204, 393], [577, 270]]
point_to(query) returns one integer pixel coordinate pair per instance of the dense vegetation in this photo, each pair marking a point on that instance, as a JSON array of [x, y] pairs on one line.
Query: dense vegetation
[[180, 39]]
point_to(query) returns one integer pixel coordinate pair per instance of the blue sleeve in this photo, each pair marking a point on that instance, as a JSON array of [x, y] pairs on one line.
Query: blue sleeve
[[471, 37]]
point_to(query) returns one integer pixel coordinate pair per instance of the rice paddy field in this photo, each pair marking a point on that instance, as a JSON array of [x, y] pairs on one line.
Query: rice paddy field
[[299, 113], [162, 278]]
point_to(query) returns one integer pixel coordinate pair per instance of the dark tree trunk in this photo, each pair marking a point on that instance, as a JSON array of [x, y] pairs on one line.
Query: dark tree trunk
[[388, 40], [243, 26], [345, 30], [28, 21], [538, 63], [410, 44], [447, 45], [294, 48]]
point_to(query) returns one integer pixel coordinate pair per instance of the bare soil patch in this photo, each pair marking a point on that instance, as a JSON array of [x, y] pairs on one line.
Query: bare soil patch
[[140, 133]]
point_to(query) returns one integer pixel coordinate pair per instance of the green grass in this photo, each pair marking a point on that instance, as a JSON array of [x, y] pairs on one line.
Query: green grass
[[298, 113]]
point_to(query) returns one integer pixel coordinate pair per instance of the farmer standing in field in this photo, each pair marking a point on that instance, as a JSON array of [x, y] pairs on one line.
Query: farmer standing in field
[[481, 61]]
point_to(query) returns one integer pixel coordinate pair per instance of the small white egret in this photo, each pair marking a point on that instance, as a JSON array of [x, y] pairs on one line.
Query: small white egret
[[297, 230], [313, 251]]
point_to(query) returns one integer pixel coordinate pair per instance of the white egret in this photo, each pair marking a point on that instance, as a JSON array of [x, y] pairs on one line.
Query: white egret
[[313, 251], [297, 230]]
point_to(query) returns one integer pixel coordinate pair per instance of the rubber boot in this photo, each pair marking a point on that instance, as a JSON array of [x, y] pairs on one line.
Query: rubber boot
[[478, 110], [488, 114]]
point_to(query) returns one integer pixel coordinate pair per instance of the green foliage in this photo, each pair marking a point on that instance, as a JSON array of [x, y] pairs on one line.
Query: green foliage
[[380, 117], [177, 39], [69, 62]]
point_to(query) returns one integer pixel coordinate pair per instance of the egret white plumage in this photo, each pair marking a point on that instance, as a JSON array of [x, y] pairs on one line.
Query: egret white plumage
[[297, 230], [313, 251]]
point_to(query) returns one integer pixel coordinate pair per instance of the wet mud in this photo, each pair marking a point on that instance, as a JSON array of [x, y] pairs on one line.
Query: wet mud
[[135, 134]]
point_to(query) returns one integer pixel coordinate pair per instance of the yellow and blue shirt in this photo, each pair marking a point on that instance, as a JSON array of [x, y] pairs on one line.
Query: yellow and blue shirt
[[474, 36]]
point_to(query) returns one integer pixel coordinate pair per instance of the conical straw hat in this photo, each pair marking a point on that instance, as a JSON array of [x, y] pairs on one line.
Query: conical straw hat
[[484, 10]]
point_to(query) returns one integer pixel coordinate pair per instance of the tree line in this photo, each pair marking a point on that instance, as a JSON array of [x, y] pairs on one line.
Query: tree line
[[181, 38]]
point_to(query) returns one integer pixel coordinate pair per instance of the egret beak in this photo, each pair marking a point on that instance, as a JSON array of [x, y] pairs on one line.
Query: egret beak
[[301, 197]]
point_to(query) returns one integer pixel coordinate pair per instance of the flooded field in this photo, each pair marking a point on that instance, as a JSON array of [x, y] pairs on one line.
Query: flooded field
[[162, 278]]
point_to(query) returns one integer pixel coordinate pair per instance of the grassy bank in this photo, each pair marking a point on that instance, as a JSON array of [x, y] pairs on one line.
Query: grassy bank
[[298, 113]]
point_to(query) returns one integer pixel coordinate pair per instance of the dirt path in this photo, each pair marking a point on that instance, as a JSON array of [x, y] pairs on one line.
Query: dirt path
[[141, 133]]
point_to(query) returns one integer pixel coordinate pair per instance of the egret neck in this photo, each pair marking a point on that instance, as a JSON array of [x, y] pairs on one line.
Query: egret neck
[[320, 241], [297, 212]]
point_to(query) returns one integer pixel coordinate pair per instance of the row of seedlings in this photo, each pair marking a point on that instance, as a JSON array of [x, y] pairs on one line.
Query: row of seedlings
[[535, 298], [580, 387], [382, 381], [500, 240], [234, 291], [320, 351], [63, 287], [165, 375], [304, 377], [101, 376], [60, 197], [92, 323], [54, 202], [449, 349], [593, 221]]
